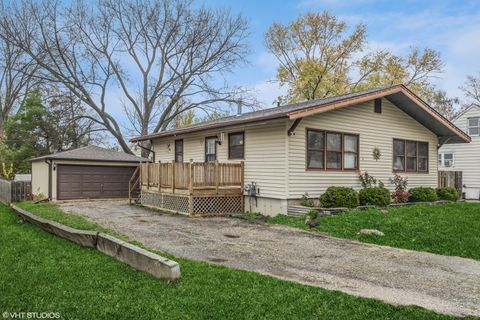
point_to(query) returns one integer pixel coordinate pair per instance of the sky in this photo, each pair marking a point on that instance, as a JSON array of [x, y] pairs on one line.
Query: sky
[[450, 27]]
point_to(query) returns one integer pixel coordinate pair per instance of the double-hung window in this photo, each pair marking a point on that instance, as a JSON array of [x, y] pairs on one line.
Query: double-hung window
[[236, 145], [445, 160], [410, 156], [332, 150], [474, 126]]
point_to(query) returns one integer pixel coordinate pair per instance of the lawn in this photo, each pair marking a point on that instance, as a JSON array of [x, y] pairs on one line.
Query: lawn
[[41, 272], [451, 229]]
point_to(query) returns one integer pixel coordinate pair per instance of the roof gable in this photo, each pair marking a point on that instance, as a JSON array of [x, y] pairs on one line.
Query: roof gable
[[465, 111]]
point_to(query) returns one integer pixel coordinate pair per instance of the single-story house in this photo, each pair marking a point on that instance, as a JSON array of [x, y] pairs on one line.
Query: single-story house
[[306, 147], [465, 157], [84, 173]]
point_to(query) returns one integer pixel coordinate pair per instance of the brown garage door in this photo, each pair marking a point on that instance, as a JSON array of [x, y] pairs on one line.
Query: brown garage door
[[81, 182]]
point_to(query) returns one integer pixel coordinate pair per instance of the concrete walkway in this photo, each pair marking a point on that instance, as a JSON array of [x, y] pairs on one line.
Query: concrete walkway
[[449, 285]]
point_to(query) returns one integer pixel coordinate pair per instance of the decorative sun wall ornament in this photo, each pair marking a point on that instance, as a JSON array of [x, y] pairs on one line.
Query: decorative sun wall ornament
[[376, 154]]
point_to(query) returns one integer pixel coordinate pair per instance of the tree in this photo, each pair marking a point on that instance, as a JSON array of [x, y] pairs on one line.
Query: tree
[[471, 90], [164, 56], [16, 79], [189, 117], [446, 106], [318, 57], [37, 130]]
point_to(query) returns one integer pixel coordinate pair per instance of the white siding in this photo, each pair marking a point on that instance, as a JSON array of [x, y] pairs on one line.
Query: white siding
[[466, 155], [265, 161], [375, 130], [40, 178], [277, 162]]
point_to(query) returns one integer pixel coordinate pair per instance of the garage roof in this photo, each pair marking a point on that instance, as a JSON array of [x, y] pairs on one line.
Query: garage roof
[[92, 153], [399, 95]]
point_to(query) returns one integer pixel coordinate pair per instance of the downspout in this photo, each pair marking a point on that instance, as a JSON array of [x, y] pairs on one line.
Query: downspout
[[49, 162], [147, 149]]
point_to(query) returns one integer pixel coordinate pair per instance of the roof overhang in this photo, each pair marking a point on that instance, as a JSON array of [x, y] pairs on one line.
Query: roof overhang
[[406, 101], [85, 160], [230, 124]]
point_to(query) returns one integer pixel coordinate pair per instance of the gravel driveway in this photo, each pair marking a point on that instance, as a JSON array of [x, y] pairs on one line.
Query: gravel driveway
[[448, 285]]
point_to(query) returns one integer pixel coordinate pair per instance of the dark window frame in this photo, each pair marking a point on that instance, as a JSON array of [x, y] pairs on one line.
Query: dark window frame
[[215, 138], [405, 156], [325, 150], [377, 105], [176, 153], [243, 145]]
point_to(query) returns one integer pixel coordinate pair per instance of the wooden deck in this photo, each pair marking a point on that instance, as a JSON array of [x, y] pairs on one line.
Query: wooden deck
[[209, 188]]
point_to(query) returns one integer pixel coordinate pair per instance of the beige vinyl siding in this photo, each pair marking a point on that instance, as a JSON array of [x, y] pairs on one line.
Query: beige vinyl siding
[[375, 130], [40, 178], [265, 149], [466, 155]]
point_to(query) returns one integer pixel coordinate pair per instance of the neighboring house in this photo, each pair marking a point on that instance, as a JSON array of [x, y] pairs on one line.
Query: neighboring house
[[465, 157], [23, 177], [310, 146], [84, 173]]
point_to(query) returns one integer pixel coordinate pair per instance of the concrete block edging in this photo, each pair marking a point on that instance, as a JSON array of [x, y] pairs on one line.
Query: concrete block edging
[[134, 256]]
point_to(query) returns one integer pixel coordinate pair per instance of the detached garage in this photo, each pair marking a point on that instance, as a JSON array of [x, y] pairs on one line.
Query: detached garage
[[86, 173]]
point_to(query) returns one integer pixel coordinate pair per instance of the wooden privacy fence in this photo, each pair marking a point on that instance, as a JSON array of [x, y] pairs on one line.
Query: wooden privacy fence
[[13, 191], [452, 179], [192, 175]]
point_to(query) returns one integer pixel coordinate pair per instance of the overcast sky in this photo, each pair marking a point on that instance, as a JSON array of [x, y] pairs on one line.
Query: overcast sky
[[450, 27]]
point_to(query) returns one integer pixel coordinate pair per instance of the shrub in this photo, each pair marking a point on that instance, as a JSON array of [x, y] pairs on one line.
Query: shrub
[[312, 214], [336, 197], [374, 196], [422, 194], [306, 201], [400, 196], [450, 194]]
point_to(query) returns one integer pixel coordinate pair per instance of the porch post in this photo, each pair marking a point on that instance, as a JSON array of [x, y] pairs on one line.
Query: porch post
[[242, 182], [190, 187], [173, 176], [148, 175], [159, 176], [217, 176]]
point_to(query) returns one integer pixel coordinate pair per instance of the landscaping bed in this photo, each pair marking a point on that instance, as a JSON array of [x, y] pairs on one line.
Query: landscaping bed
[[447, 229], [41, 272]]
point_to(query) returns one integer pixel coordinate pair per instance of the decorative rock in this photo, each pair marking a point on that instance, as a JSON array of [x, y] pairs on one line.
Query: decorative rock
[[374, 232], [311, 223]]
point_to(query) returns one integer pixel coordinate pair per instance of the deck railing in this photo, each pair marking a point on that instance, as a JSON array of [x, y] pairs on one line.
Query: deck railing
[[192, 175]]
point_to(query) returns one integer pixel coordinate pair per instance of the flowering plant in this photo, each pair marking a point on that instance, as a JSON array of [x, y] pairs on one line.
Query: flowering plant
[[400, 195], [368, 181]]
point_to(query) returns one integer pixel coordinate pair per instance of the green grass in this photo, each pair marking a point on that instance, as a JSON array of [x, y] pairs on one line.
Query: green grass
[[41, 272], [451, 229]]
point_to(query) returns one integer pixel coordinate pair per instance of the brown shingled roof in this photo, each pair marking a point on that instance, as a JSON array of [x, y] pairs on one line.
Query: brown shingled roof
[[92, 153], [399, 95]]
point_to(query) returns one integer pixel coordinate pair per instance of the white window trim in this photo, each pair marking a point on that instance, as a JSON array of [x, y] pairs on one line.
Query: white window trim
[[477, 126], [442, 159]]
